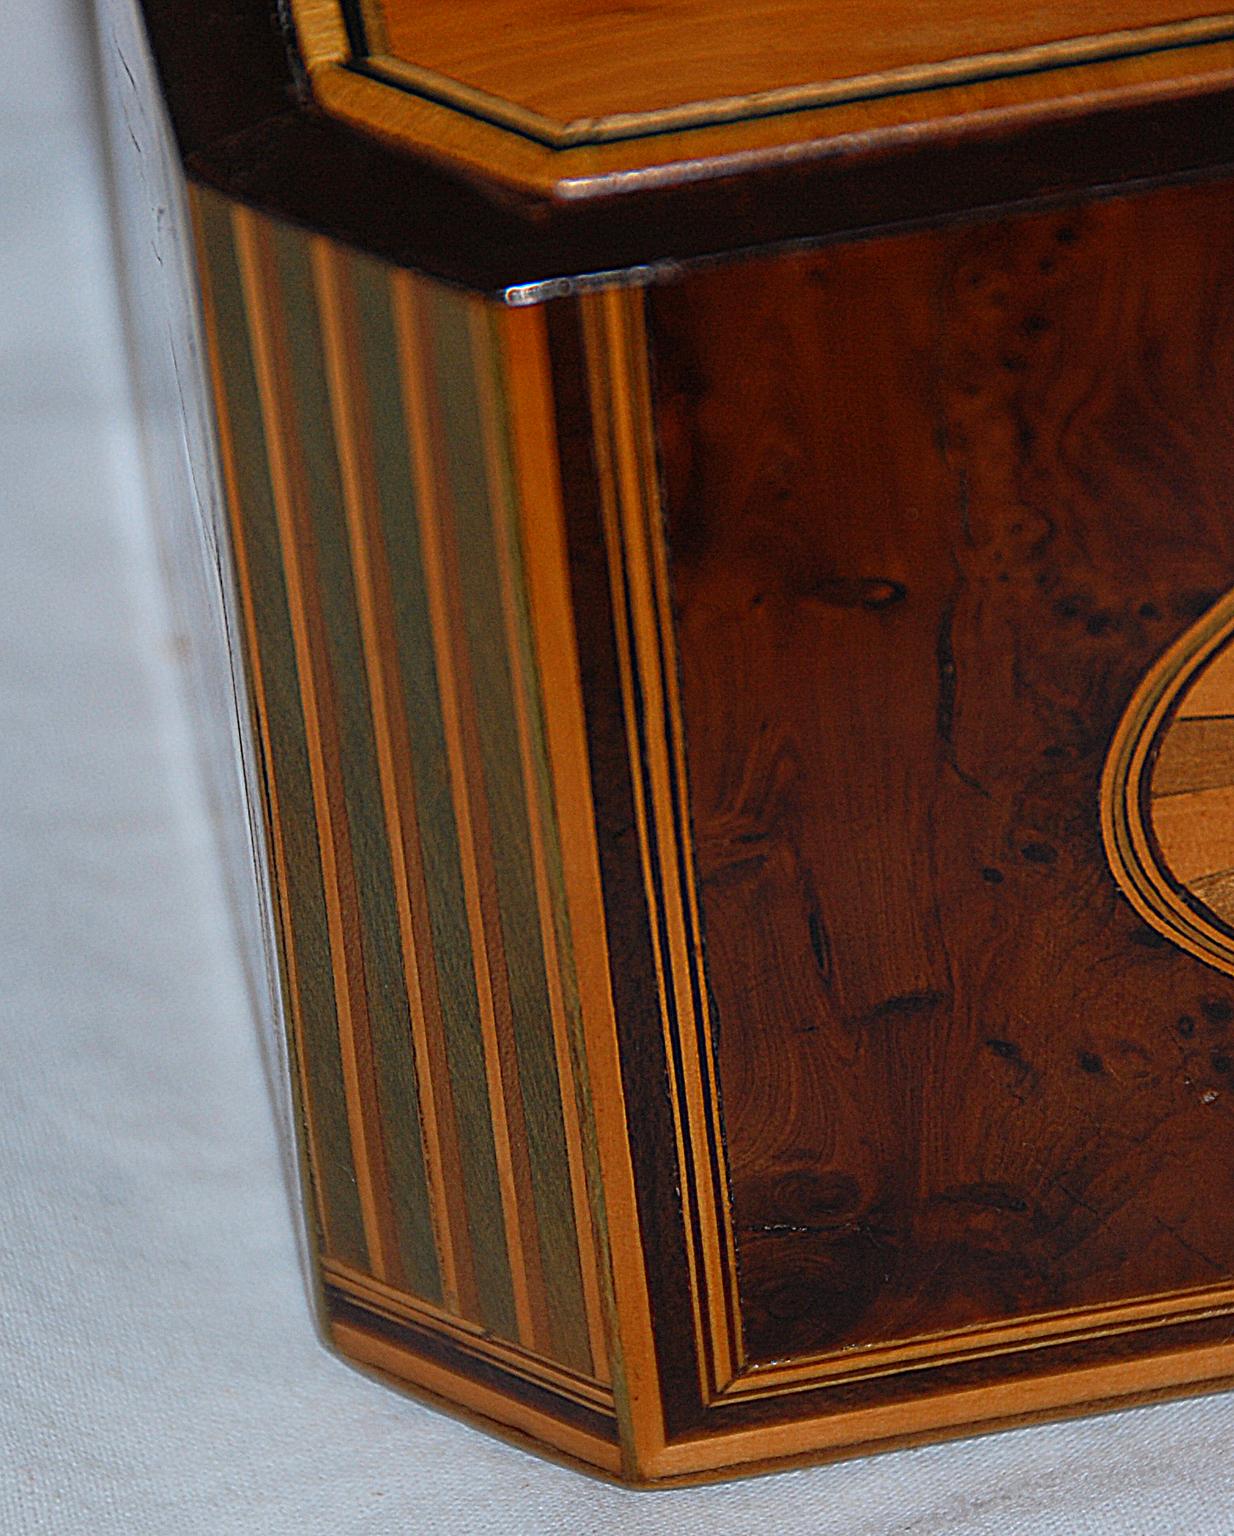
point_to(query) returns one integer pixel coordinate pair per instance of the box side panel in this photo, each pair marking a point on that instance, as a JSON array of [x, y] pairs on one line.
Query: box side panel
[[373, 452]]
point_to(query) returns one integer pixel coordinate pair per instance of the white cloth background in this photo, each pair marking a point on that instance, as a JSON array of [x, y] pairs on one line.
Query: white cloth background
[[158, 1369]]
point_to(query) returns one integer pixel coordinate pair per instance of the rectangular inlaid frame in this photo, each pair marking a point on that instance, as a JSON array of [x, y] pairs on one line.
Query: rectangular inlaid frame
[[721, 1407]]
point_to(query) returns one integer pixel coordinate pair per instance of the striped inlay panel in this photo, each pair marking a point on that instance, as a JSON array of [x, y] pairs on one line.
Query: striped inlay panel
[[381, 517]]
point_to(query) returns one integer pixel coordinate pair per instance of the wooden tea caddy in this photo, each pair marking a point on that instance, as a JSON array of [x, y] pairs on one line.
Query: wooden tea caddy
[[731, 507]]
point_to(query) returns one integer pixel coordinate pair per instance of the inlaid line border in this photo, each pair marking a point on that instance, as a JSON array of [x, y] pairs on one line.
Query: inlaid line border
[[616, 343]]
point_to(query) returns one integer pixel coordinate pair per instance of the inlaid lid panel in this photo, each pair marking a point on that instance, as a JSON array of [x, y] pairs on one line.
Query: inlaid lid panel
[[590, 69]]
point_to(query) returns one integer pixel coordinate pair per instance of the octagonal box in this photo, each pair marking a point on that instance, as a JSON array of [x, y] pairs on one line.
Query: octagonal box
[[727, 518]]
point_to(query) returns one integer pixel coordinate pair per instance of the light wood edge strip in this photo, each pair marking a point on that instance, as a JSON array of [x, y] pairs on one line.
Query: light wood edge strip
[[321, 32], [546, 564], [239, 549], [462, 1392], [441, 133], [525, 689], [529, 1364], [359, 498], [1128, 843], [410, 329], [927, 1352], [469, 100], [965, 1412], [253, 257], [632, 528]]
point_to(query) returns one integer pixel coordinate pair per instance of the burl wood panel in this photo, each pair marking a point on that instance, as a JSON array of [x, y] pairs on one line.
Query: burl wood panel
[[934, 506]]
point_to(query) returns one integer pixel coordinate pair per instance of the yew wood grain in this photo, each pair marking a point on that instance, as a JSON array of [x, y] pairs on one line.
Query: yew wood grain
[[934, 504]]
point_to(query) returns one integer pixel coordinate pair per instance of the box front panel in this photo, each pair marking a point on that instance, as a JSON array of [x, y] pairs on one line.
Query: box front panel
[[933, 508]]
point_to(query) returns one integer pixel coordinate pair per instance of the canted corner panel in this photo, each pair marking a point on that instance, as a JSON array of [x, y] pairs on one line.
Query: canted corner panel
[[386, 534]]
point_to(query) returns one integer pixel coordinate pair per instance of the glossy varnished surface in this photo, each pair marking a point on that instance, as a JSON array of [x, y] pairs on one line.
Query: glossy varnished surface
[[558, 60], [703, 733], [934, 506]]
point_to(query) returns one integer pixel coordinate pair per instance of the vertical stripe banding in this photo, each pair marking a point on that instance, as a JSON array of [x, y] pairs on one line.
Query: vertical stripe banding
[[245, 485], [423, 1193], [510, 1300], [267, 325], [380, 438]]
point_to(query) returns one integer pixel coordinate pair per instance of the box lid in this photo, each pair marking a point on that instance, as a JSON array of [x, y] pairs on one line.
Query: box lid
[[509, 142]]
